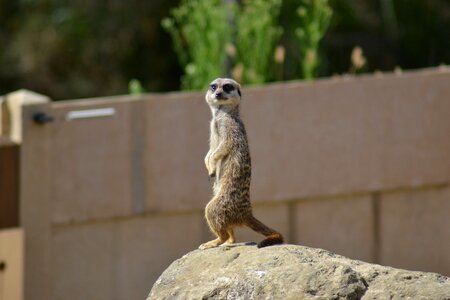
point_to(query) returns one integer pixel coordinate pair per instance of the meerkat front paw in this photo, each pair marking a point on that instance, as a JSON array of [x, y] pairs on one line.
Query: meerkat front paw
[[211, 170]]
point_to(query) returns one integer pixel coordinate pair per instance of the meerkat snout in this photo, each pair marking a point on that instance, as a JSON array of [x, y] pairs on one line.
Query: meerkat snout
[[219, 96]]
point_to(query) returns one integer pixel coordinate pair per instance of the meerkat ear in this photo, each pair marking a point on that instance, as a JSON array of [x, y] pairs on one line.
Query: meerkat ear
[[239, 90]]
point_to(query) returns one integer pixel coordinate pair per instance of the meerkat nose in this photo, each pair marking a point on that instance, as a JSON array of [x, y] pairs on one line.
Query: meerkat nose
[[219, 95]]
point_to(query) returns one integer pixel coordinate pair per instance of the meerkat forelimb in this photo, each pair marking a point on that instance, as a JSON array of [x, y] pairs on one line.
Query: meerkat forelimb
[[228, 162]]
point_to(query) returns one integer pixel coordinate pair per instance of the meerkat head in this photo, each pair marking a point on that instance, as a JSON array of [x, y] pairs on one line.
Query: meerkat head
[[223, 91]]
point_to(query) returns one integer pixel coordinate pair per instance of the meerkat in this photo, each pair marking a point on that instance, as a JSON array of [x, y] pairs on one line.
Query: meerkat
[[228, 163]]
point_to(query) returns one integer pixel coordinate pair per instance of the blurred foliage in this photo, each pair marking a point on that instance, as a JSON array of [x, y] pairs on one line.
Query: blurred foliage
[[71, 49], [414, 35], [257, 32], [314, 17], [200, 31], [211, 37]]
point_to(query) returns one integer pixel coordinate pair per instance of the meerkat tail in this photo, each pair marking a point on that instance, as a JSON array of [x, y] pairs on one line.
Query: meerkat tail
[[272, 237]]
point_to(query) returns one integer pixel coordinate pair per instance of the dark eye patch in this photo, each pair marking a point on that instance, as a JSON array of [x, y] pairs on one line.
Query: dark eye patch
[[213, 87], [228, 88]]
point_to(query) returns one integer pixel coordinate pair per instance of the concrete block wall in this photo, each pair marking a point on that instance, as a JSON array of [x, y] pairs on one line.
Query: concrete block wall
[[344, 225], [357, 166], [415, 229], [118, 259]]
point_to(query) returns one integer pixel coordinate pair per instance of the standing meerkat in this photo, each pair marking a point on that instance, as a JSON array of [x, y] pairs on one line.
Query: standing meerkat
[[228, 162]]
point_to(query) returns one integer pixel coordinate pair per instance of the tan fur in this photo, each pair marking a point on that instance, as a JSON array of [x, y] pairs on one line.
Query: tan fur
[[228, 162]]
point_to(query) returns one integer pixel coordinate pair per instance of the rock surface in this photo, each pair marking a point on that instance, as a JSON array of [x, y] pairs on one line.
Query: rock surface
[[290, 272]]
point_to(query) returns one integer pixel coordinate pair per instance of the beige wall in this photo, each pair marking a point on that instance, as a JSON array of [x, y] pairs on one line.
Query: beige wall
[[359, 166]]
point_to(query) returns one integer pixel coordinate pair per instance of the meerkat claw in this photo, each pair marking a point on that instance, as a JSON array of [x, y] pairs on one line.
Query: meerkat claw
[[202, 247]]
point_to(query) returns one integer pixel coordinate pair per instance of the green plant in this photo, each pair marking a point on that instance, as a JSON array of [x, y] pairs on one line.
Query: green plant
[[135, 87], [200, 31], [256, 38], [314, 16]]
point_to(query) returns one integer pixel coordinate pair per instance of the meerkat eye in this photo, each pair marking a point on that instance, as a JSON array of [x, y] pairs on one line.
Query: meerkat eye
[[213, 87], [228, 88]]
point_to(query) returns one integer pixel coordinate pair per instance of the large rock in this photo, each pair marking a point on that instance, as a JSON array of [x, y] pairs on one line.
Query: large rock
[[290, 272]]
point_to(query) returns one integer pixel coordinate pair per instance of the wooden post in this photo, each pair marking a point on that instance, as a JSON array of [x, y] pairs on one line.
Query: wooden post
[[3, 116], [11, 115], [11, 264], [29, 182]]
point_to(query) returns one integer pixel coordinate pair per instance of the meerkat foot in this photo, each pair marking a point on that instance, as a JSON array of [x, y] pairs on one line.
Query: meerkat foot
[[231, 239], [230, 242], [211, 244]]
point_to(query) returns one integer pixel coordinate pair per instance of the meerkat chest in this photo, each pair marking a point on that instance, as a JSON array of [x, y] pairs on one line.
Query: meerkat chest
[[214, 134], [216, 129]]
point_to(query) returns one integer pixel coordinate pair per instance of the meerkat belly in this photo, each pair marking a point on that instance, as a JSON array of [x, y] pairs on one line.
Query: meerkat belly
[[232, 174]]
